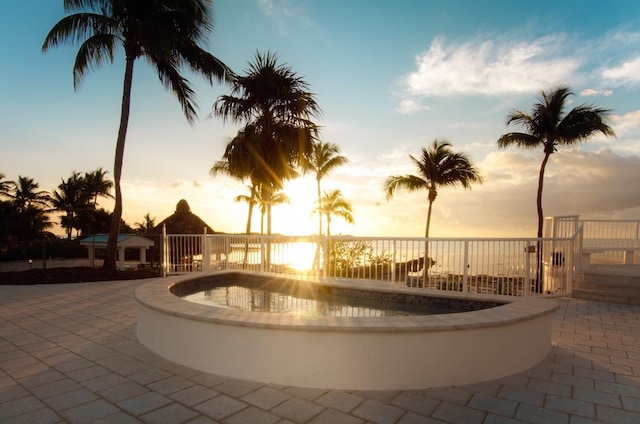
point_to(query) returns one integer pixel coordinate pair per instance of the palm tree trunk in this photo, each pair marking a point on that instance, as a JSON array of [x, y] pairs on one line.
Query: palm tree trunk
[[539, 277], [427, 261], [114, 228], [316, 257]]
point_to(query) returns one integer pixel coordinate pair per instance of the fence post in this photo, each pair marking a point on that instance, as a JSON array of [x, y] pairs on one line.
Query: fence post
[[206, 254], [165, 250], [465, 274]]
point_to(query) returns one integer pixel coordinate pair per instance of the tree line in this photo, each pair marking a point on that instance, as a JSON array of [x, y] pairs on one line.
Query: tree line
[[26, 210]]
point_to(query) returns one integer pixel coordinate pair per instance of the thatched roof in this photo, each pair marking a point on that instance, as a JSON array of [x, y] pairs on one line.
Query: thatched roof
[[183, 221]]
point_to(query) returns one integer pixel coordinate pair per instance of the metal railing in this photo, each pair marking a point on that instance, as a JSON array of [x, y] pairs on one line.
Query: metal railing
[[509, 267]]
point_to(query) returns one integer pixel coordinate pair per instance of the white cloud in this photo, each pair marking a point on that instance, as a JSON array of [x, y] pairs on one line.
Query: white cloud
[[627, 123], [626, 73], [593, 92], [489, 68], [408, 106]]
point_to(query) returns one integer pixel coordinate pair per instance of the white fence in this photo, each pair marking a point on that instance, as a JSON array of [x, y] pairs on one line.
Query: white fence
[[510, 267], [603, 241]]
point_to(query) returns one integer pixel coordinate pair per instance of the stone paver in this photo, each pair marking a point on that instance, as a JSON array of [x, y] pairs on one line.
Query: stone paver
[[68, 353]]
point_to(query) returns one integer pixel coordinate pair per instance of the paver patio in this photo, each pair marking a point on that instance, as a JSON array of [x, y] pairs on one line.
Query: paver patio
[[69, 353]]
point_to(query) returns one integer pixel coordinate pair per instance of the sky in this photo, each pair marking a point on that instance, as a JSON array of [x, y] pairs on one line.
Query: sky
[[390, 77]]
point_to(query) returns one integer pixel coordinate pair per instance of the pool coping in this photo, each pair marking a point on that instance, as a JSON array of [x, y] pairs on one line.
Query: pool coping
[[156, 296]]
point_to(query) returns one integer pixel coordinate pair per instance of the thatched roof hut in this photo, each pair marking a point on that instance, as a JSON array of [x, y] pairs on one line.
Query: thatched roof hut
[[183, 221]]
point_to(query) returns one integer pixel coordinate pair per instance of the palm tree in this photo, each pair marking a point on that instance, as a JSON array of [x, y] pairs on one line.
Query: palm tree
[[146, 225], [548, 127], [323, 158], [276, 109], [97, 185], [25, 193], [166, 32], [334, 203], [239, 162], [438, 166], [71, 198], [5, 186]]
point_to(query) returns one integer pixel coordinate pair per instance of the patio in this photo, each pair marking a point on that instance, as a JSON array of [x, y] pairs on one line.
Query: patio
[[69, 353]]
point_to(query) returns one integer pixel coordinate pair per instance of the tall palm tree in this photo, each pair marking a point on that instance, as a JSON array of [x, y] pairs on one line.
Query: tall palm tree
[[438, 166], [334, 203], [166, 32], [322, 159], [24, 193], [549, 127], [276, 108]]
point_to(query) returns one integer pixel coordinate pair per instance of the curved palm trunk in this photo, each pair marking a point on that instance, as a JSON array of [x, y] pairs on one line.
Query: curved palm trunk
[[114, 228], [539, 277]]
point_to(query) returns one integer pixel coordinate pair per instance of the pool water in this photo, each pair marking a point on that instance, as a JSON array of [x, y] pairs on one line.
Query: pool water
[[302, 300]]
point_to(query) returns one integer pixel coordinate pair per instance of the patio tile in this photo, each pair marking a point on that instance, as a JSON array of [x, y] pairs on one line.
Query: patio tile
[[331, 416], [237, 388], [377, 412], [342, 401], [220, 407], [252, 415], [171, 414], [89, 412], [458, 414], [193, 395], [124, 391], [297, 410], [265, 397], [170, 385], [70, 399], [144, 403]]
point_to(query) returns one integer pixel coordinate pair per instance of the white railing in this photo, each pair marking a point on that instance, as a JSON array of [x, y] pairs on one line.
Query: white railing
[[510, 267]]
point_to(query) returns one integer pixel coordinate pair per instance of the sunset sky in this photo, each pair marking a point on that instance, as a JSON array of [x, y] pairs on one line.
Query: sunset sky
[[390, 77]]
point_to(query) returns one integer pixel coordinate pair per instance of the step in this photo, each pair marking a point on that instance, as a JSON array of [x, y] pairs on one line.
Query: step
[[607, 296], [608, 286]]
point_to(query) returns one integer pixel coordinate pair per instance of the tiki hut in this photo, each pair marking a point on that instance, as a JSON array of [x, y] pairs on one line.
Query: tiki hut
[[183, 221]]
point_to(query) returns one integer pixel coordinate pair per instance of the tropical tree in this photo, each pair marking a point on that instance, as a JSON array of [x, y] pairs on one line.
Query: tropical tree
[[321, 160], [549, 127], [71, 198], [97, 185], [239, 163], [276, 108], [5, 186], [166, 32], [333, 203], [24, 193], [438, 166], [146, 225]]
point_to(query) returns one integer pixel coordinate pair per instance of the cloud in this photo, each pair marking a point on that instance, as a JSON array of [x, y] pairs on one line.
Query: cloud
[[626, 73], [627, 123], [286, 15], [408, 106], [489, 68], [593, 92]]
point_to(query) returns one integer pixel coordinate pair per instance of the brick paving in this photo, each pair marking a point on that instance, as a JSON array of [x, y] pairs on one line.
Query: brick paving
[[69, 353]]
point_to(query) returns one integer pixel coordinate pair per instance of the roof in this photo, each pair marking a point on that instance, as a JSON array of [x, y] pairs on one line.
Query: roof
[[182, 221], [124, 240]]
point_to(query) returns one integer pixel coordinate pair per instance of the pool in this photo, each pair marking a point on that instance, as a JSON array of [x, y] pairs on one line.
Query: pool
[[338, 352], [277, 295]]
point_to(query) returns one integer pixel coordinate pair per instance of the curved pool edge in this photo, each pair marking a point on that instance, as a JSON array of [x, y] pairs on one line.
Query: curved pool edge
[[346, 353]]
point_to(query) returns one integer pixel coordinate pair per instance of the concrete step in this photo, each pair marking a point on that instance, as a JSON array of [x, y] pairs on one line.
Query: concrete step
[[608, 287], [607, 296]]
